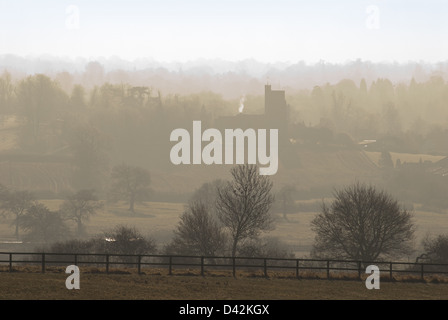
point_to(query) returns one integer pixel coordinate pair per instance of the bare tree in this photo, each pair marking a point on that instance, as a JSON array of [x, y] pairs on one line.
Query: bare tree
[[243, 204], [198, 232], [436, 248], [286, 197], [17, 203], [362, 224], [79, 207], [129, 183]]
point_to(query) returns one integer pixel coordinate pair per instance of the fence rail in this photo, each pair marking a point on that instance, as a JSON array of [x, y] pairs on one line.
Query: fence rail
[[202, 263]]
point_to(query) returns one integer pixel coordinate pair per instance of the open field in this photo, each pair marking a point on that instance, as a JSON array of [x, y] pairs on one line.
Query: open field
[[404, 157], [35, 286], [52, 174], [158, 220]]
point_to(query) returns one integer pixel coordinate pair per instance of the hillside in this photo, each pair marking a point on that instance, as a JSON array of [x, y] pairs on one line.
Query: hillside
[[310, 168], [313, 169]]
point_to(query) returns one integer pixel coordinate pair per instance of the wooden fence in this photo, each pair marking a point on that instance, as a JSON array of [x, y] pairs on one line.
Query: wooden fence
[[297, 267]]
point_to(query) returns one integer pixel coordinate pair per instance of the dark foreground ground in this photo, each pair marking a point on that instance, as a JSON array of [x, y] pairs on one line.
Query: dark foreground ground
[[101, 286]]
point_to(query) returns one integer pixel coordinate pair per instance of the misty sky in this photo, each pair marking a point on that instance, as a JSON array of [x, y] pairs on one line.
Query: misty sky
[[268, 31]]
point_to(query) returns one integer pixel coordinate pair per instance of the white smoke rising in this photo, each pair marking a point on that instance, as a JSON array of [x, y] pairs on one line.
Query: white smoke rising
[[242, 100]]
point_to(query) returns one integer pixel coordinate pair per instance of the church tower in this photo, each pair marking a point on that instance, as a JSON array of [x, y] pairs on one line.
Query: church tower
[[275, 108]]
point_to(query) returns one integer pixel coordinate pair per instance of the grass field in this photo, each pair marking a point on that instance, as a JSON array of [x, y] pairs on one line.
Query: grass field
[[35, 286], [158, 220], [404, 157]]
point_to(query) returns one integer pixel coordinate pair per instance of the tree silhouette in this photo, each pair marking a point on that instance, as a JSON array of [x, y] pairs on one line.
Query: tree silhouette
[[43, 225], [243, 204], [124, 239], [362, 224], [38, 100], [286, 198], [17, 203], [79, 207], [197, 233], [385, 160], [436, 248], [207, 194], [129, 183]]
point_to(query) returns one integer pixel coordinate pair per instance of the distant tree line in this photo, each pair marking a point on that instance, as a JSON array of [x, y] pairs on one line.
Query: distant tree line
[[40, 223], [100, 124]]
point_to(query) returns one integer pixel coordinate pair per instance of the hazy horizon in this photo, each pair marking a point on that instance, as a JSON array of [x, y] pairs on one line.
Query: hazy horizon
[[265, 31]]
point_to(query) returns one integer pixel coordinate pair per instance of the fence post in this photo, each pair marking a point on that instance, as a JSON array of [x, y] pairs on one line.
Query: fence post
[[139, 259], [390, 271], [170, 268], [359, 269], [107, 263], [43, 262], [297, 268], [10, 262], [328, 269], [202, 266], [234, 267], [422, 272]]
